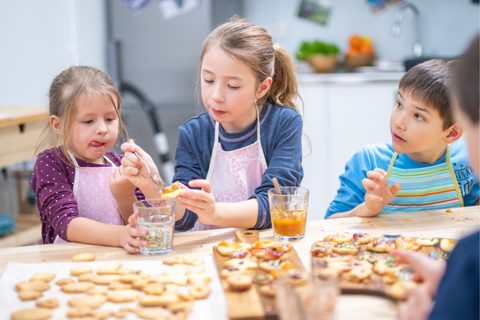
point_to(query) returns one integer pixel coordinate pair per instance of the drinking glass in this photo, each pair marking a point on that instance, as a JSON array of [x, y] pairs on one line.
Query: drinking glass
[[157, 217], [288, 211], [313, 301]]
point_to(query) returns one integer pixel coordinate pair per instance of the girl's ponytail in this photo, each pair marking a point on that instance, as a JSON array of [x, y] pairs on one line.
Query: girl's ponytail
[[283, 91]]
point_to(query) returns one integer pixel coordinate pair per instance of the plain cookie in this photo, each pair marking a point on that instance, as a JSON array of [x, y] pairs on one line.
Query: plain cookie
[[84, 257], [32, 314]]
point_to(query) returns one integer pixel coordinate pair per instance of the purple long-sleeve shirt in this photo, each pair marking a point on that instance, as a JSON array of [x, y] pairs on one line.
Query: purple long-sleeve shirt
[[52, 183]]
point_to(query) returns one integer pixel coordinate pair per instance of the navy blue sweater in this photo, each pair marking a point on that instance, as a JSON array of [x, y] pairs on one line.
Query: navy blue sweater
[[281, 138], [458, 296]]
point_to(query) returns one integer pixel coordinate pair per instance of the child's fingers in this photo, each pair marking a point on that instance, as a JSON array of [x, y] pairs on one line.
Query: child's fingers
[[129, 146], [191, 202], [381, 171], [370, 185], [395, 188], [373, 198], [200, 195], [131, 160], [130, 171], [181, 185], [200, 183], [375, 175], [132, 220], [131, 249]]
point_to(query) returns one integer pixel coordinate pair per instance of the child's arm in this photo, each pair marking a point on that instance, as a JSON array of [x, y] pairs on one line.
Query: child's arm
[[242, 214], [89, 231], [378, 195]]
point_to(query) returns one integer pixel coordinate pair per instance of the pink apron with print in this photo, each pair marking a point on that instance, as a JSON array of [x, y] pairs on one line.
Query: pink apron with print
[[234, 175], [91, 190]]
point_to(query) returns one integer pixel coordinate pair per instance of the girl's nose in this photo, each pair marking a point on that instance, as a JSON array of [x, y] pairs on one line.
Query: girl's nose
[[217, 95], [101, 128]]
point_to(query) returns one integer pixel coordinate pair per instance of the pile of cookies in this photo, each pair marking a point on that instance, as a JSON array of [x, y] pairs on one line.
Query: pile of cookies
[[341, 256], [259, 263], [159, 296]]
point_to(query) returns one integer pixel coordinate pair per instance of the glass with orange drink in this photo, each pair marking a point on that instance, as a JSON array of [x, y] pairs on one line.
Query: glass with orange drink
[[288, 211]]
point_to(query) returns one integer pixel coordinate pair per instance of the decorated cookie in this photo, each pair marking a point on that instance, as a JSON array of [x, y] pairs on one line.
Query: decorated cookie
[[447, 245], [335, 257], [403, 275], [264, 244], [240, 254], [274, 254], [407, 244], [381, 245], [296, 277], [321, 251], [241, 264], [259, 252], [269, 289], [343, 266], [362, 238], [225, 249], [282, 246], [338, 238], [262, 278], [387, 266], [351, 247], [373, 257], [430, 242], [359, 274], [231, 271], [171, 192], [271, 265]]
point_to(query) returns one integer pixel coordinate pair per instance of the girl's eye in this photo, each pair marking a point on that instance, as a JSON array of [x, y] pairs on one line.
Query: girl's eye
[[110, 119], [232, 87], [208, 81], [87, 121], [399, 105], [419, 117]]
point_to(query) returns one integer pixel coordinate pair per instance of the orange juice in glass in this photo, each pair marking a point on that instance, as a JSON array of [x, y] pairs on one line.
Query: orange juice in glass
[[288, 211]]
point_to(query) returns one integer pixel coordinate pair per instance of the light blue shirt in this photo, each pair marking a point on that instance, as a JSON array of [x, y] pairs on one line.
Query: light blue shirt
[[352, 193]]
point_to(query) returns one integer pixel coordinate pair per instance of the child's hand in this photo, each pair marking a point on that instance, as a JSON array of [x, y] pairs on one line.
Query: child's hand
[[120, 186], [379, 194], [127, 236], [135, 170], [201, 201]]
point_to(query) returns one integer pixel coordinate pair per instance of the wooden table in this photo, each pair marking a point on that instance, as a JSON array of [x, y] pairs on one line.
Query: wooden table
[[436, 223], [20, 128]]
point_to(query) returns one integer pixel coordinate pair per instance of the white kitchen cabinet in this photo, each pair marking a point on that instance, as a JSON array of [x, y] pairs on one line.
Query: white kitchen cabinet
[[342, 113]]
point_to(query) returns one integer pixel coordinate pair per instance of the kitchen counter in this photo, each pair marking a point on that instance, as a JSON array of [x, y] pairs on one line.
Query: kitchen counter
[[435, 223], [348, 77]]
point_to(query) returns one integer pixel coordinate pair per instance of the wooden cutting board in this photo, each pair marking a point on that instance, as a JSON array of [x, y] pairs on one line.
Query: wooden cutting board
[[251, 304], [376, 285]]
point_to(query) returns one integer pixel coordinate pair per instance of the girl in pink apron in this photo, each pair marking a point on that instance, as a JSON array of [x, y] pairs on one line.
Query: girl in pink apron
[[81, 194], [251, 133]]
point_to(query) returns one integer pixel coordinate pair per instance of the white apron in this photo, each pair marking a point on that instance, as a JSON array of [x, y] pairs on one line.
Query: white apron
[[91, 190], [234, 175]]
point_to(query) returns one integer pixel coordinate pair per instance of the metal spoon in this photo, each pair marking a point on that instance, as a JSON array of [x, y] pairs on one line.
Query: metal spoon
[[155, 178]]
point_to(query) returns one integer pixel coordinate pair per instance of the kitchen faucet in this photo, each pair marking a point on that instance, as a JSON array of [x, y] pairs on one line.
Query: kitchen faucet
[[396, 27]]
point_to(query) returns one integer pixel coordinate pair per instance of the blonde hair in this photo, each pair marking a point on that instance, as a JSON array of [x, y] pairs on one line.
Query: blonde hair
[[253, 46], [64, 93]]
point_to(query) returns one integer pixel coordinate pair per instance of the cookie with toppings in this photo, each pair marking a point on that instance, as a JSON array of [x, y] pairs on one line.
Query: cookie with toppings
[[239, 283], [274, 254], [225, 249], [259, 252], [241, 264], [322, 248], [241, 254], [407, 244], [231, 271], [362, 237], [399, 287], [351, 247], [334, 257], [360, 273], [387, 266], [381, 245], [271, 265], [373, 257], [283, 246], [447, 245], [343, 266], [338, 238], [427, 242], [393, 277]]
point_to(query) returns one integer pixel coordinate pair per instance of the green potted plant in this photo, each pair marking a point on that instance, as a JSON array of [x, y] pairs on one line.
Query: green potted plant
[[321, 56]]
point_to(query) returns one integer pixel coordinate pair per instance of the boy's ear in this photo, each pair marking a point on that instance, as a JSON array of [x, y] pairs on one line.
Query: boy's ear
[[55, 124], [264, 86], [454, 133]]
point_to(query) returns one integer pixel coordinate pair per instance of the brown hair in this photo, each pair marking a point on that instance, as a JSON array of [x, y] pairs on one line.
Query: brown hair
[[465, 83], [428, 83], [64, 93], [253, 46]]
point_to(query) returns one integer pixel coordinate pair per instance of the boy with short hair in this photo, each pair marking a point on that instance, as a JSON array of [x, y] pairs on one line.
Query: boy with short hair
[[424, 168]]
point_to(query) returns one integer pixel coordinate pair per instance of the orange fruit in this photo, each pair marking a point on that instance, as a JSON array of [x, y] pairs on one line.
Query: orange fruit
[[355, 42], [352, 52], [366, 49]]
